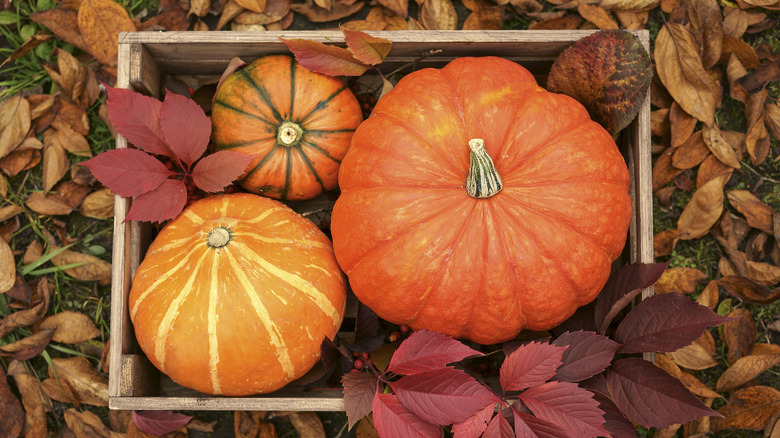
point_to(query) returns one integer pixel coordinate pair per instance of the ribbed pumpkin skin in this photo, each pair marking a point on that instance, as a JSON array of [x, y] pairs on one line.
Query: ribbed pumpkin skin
[[252, 106], [418, 250], [244, 319]]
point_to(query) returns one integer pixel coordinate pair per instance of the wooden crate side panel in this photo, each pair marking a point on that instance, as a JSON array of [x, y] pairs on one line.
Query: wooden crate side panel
[[299, 403]]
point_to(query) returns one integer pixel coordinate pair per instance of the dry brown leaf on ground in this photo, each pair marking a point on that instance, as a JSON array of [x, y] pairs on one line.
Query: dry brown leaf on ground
[[70, 327], [249, 424], [91, 268], [85, 424], [597, 15], [735, 22], [15, 122], [691, 153], [765, 73], [742, 50], [400, 7], [762, 273], [748, 290], [438, 15], [566, 22], [70, 76], [308, 424], [59, 390], [703, 210], [485, 15], [757, 213], [12, 419], [253, 5], [64, 24], [680, 69], [31, 315], [772, 118], [709, 296], [100, 22], [34, 400], [171, 16], [757, 139], [705, 16], [98, 204], [664, 242], [748, 367], [660, 123], [55, 163], [682, 125], [739, 334], [70, 140], [200, 8], [3, 187], [749, 408], [9, 228], [629, 5], [51, 204], [710, 169], [74, 194], [679, 279], [274, 12], [74, 116], [696, 386], [316, 14], [7, 267], [663, 170], [30, 44], [27, 347], [699, 355], [719, 146], [89, 386]]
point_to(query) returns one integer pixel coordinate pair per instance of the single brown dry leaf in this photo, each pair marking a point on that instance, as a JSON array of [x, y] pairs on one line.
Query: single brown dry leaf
[[59, 390], [308, 424], [55, 165], [711, 168], [664, 242], [597, 15], [742, 50], [762, 273], [35, 403], [30, 316], [3, 187], [74, 116], [247, 424], [87, 385], [229, 12], [92, 269], [749, 408], [15, 122], [64, 24], [719, 146], [757, 139], [70, 140], [660, 122], [274, 12], [663, 170], [100, 22], [438, 15], [98, 204], [316, 14], [629, 5], [85, 424], [9, 211], [51, 204], [200, 8], [253, 5], [682, 125], [757, 213], [400, 7], [748, 290], [567, 22], [680, 279], [680, 69], [70, 76], [33, 252], [703, 210], [694, 357], [691, 153], [31, 43], [12, 420], [7, 267], [705, 16], [27, 347], [772, 118], [74, 194], [747, 368], [739, 334], [365, 428], [696, 386], [70, 327], [484, 16], [709, 296]]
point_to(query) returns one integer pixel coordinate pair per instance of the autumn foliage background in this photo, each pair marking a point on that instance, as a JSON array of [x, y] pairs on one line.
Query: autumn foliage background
[[716, 181]]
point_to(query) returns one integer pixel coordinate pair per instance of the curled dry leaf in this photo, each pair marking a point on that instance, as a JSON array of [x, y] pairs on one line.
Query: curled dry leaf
[[9, 211], [742, 50], [682, 125], [664, 242], [27, 347], [55, 165], [762, 273], [70, 327], [34, 400], [253, 5], [15, 122], [748, 367], [438, 15], [87, 385], [51, 204], [758, 214], [484, 16], [691, 153], [315, 14], [307, 424], [100, 22], [64, 24], [98, 204], [7, 267], [757, 138], [70, 76], [680, 279], [719, 146], [597, 15], [706, 20], [748, 290], [739, 334], [91, 268], [246, 424], [749, 408], [12, 420], [711, 168], [86, 424], [703, 210], [629, 5], [680, 69], [700, 355], [274, 11], [29, 316], [400, 7]]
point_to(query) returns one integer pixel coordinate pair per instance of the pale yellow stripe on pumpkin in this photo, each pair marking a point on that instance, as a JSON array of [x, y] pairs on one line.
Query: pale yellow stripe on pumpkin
[[300, 242], [185, 261], [265, 318], [212, 323], [298, 283], [189, 214], [263, 215], [173, 312]]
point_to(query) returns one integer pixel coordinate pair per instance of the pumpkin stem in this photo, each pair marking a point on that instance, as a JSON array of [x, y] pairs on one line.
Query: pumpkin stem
[[289, 133], [218, 237], [482, 180]]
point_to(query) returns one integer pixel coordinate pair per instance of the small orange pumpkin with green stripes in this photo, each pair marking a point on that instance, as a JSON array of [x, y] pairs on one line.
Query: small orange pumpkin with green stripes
[[236, 295], [297, 125]]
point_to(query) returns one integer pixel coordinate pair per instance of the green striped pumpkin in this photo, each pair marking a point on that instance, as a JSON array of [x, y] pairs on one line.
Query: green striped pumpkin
[[236, 295], [297, 125]]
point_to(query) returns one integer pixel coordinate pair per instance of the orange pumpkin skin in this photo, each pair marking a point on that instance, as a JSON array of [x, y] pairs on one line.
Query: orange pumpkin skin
[[246, 318], [418, 250], [295, 123]]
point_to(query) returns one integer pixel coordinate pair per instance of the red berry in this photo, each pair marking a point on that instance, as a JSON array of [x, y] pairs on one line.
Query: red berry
[[405, 328], [358, 364], [364, 355], [394, 336]]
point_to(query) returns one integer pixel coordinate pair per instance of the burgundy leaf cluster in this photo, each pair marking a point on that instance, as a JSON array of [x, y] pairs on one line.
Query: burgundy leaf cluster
[[175, 130], [362, 52], [583, 383]]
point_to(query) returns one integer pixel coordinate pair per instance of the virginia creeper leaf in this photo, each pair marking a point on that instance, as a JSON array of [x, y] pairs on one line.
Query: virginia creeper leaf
[[664, 323], [185, 127], [567, 406], [137, 118], [161, 204], [359, 390], [216, 171], [614, 420], [530, 365], [614, 85], [426, 350], [128, 172], [621, 289], [529, 426], [648, 396], [365, 48], [325, 59], [444, 396], [588, 354], [499, 428], [473, 426], [392, 419], [159, 423]]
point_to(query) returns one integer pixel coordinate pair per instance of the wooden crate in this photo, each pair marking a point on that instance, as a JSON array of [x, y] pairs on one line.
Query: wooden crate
[[146, 59]]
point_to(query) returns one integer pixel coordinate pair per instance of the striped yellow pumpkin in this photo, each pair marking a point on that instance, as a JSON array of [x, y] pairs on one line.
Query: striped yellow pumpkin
[[235, 296]]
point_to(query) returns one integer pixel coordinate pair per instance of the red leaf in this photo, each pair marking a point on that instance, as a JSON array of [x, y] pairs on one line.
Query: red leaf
[[216, 171], [664, 323], [530, 365], [325, 59], [159, 422], [185, 126], [588, 354], [567, 406], [161, 204], [647, 395], [530, 426], [128, 172], [426, 350], [137, 118], [621, 289], [359, 390], [499, 428], [473, 426], [443, 396], [392, 419], [366, 48], [614, 420]]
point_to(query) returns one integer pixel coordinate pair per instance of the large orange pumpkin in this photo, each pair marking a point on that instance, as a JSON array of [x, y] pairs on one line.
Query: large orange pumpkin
[[295, 123], [477, 204], [236, 295]]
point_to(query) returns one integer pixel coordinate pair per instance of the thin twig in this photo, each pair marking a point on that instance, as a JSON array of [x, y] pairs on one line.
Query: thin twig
[[411, 63], [765, 178]]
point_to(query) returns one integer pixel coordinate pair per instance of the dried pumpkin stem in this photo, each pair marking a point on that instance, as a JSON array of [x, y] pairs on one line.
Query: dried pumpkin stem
[[482, 180], [289, 133], [218, 237]]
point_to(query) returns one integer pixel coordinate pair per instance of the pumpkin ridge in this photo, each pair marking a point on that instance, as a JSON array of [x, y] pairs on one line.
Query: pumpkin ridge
[[321, 105], [261, 311], [308, 163], [293, 65], [246, 113], [320, 150], [261, 163], [287, 173], [262, 92]]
